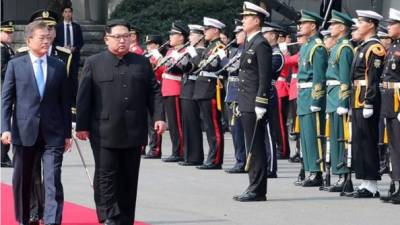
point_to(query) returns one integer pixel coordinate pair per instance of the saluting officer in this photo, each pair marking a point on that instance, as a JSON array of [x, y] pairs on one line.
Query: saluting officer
[[7, 53], [338, 93], [191, 121], [311, 97], [391, 101], [366, 71], [255, 76], [208, 94]]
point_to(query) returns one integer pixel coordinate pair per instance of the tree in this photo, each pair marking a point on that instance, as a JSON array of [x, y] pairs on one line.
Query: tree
[[156, 17]]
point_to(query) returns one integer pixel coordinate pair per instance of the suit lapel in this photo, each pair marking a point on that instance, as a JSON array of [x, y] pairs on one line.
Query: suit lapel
[[50, 75], [247, 46], [31, 74]]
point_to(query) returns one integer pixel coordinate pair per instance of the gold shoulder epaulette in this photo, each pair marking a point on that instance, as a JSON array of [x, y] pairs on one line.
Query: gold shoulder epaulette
[[318, 41], [65, 50], [378, 49]]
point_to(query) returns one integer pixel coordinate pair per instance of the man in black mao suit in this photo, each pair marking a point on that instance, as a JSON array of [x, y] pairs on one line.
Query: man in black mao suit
[[116, 91], [69, 35], [255, 76], [35, 99]]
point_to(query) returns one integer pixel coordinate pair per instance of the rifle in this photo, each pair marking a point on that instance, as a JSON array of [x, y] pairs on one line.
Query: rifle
[[327, 179], [167, 58], [212, 58], [183, 55], [348, 184], [158, 49], [230, 63], [319, 161]]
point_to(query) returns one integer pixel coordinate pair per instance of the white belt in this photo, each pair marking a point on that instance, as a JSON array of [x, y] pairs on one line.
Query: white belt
[[171, 77], [233, 79], [390, 85], [210, 74], [192, 77], [294, 75], [305, 85], [360, 83], [281, 79], [332, 83]]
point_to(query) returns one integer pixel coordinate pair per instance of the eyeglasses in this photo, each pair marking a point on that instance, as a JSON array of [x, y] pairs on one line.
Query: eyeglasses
[[119, 36]]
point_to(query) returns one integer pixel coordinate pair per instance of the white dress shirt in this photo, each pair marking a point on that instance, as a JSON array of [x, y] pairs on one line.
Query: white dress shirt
[[44, 64], [70, 32]]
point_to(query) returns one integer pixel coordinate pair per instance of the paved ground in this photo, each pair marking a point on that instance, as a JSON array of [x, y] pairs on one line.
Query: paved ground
[[173, 195]]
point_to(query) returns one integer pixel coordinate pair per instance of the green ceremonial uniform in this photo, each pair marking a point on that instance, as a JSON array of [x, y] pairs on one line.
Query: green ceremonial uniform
[[338, 93], [338, 83], [311, 92]]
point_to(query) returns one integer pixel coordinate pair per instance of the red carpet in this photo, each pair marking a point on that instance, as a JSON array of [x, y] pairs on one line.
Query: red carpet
[[73, 213]]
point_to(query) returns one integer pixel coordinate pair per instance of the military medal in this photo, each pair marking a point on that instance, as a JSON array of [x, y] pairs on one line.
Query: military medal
[[361, 55], [393, 66], [249, 61]]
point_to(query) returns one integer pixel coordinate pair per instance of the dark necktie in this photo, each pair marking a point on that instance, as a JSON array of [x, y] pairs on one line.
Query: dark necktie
[[68, 36]]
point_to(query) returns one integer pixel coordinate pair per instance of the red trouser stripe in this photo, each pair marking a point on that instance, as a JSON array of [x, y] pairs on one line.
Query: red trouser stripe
[[282, 125], [179, 121], [216, 130]]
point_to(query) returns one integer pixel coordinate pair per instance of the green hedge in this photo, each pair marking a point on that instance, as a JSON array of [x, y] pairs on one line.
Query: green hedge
[[156, 17]]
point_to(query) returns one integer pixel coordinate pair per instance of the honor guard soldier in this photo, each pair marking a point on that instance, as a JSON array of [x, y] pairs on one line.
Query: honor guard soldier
[[390, 104], [366, 71], [63, 54], [153, 42], [231, 101], [207, 92], [275, 124], [135, 39], [171, 87], [255, 76], [338, 94], [7, 53], [311, 98], [191, 121], [329, 42]]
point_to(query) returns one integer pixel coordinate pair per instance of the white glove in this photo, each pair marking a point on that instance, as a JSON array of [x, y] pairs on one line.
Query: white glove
[[342, 110], [221, 54], [398, 117], [156, 54], [283, 47], [367, 113], [192, 51], [260, 112], [315, 108]]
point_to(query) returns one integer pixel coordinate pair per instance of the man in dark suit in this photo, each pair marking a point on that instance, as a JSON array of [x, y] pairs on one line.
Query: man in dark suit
[[35, 98], [7, 53], [255, 75], [69, 35], [116, 91]]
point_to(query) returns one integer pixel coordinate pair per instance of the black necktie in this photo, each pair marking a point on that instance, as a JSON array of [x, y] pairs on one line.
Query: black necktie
[[68, 36]]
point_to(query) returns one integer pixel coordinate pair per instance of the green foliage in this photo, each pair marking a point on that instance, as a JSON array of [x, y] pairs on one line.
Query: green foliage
[[156, 17]]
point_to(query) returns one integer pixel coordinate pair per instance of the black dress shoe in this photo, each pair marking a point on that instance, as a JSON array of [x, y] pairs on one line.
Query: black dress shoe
[[272, 175], [209, 167], [249, 197], [338, 186], [364, 193], [395, 199], [152, 155], [111, 222], [183, 163], [235, 170], [315, 180], [172, 158]]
